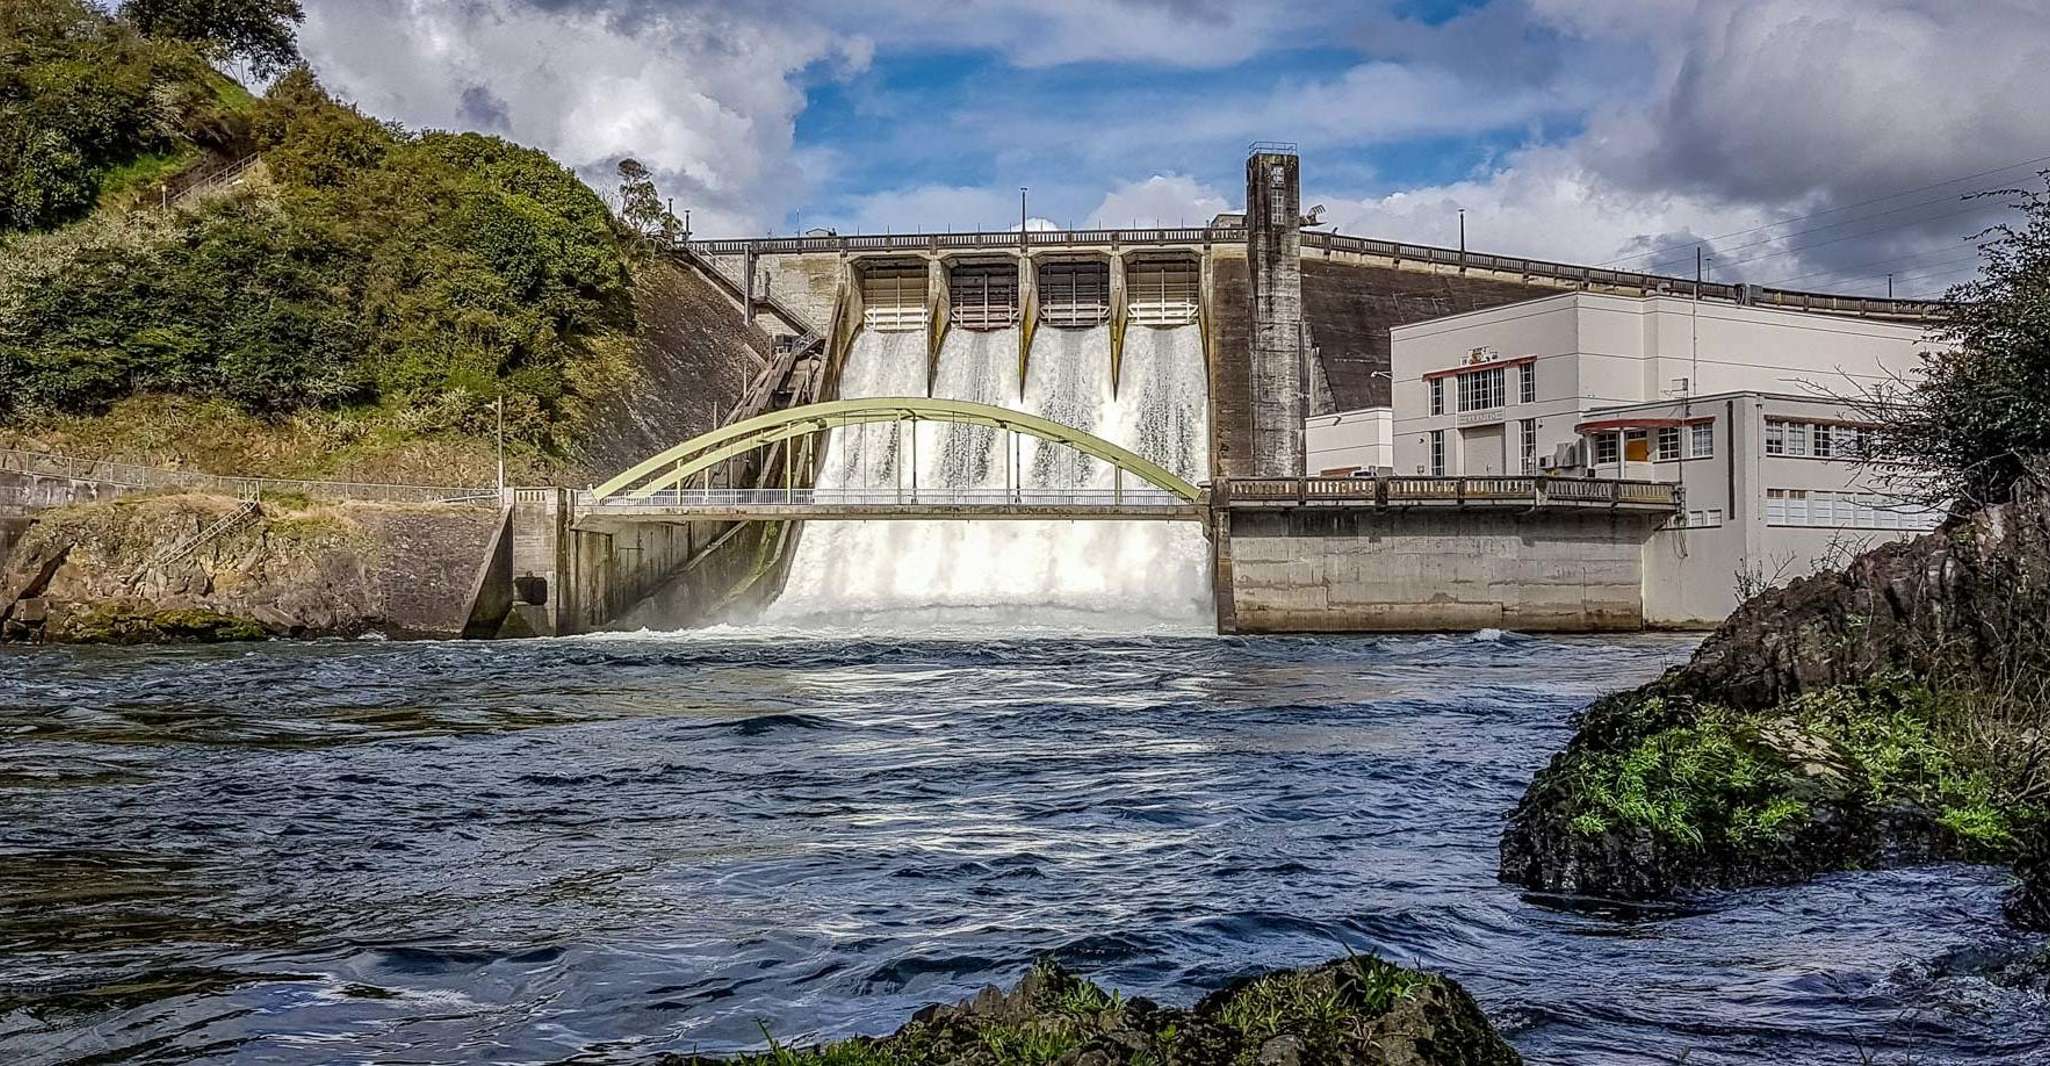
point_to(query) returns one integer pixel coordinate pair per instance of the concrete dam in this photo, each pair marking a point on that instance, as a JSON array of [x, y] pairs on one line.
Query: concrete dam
[[1094, 428], [1200, 351]]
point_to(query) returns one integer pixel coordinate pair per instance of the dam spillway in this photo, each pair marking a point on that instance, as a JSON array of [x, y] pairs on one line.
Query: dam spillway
[[1077, 574]]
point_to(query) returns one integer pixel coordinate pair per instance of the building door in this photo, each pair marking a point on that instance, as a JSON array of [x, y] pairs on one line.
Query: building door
[[1482, 451]]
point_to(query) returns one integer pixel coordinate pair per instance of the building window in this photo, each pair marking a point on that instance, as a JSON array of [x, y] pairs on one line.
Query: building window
[[1437, 453], [1437, 396], [1703, 443], [1669, 444], [1481, 390], [1818, 508], [1608, 449], [1820, 440], [1527, 383], [1529, 426], [1710, 518]]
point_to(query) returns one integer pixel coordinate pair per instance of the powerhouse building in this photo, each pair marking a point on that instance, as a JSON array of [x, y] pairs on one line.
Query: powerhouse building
[[1761, 415]]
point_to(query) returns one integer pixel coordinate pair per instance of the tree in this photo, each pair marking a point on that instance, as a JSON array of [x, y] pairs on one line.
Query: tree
[[259, 32], [640, 206], [1977, 416]]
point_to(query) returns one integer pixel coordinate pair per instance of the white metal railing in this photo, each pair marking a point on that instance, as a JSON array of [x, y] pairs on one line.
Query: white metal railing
[[995, 499], [135, 477]]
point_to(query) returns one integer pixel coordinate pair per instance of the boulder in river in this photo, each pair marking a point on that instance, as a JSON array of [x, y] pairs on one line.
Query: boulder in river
[[1889, 714], [1357, 1010]]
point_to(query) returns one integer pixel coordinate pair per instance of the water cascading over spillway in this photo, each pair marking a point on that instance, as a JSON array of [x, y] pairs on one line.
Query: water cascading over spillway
[[1097, 574]]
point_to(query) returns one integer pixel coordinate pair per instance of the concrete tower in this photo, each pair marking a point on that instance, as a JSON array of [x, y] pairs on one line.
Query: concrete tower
[[1274, 254]]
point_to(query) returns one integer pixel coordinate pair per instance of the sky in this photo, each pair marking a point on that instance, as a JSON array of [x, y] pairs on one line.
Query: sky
[[1810, 144]]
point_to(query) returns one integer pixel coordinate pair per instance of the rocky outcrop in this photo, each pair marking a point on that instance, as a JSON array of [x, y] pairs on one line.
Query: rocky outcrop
[[201, 568], [1356, 1010], [1855, 719], [1969, 602]]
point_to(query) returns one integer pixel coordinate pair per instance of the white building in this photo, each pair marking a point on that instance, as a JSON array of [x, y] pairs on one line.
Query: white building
[[1749, 409], [1345, 442]]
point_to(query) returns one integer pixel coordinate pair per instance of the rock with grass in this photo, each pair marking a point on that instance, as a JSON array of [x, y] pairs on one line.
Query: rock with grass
[[1889, 714], [1357, 1010]]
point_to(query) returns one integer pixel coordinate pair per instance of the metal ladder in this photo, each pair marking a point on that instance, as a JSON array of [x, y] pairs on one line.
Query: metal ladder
[[184, 548]]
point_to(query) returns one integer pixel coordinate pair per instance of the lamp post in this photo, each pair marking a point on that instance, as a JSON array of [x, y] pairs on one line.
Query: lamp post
[[499, 406]]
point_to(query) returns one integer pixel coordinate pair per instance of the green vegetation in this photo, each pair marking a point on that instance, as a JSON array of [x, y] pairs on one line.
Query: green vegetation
[[1704, 776], [83, 95], [1339, 1012], [257, 32], [424, 274], [1975, 414], [114, 624], [364, 289]]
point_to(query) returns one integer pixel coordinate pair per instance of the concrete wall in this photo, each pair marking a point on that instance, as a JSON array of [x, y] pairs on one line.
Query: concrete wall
[[625, 574], [1309, 571], [1344, 441], [1279, 391], [22, 494]]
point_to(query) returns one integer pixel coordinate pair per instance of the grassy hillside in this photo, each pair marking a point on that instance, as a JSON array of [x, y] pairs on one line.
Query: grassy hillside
[[364, 303]]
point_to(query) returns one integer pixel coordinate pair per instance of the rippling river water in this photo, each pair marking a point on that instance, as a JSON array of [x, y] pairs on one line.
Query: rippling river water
[[592, 850]]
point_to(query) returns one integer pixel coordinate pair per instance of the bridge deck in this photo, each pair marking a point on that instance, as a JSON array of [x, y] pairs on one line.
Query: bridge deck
[[795, 504]]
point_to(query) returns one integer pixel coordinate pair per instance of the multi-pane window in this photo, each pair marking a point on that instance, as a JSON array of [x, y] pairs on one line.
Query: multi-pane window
[[1608, 449], [1437, 453], [1529, 427], [1480, 390], [1708, 518], [1437, 396], [1526, 383], [1668, 444], [1703, 444], [1821, 440], [1846, 510]]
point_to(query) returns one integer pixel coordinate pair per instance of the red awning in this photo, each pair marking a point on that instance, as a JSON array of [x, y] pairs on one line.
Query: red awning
[[1607, 424]]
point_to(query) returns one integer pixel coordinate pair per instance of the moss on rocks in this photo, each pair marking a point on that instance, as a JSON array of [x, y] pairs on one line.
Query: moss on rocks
[[1355, 1010], [118, 624], [1663, 792]]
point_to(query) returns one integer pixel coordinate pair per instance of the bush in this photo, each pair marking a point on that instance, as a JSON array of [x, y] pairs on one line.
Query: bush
[[431, 272], [81, 95], [1976, 416]]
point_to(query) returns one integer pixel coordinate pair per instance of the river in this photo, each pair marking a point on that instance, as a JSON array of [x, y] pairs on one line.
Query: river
[[595, 849]]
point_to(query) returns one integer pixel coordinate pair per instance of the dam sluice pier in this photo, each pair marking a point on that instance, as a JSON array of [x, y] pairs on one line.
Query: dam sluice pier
[[1097, 420]]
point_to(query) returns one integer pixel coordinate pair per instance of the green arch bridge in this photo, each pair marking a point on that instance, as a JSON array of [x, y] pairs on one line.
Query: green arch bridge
[[661, 487]]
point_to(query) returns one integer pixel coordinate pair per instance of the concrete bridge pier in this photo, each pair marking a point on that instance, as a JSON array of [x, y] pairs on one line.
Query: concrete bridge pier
[[567, 576]]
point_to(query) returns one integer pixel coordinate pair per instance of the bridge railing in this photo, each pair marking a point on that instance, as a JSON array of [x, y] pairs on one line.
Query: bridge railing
[[1532, 491], [1569, 274], [688, 498]]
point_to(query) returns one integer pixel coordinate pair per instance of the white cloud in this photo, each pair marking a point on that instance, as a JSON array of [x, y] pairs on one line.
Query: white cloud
[[706, 95], [1161, 200]]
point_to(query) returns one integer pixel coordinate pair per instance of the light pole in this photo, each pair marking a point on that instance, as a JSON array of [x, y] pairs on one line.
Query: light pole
[[499, 405], [1023, 218], [1462, 238]]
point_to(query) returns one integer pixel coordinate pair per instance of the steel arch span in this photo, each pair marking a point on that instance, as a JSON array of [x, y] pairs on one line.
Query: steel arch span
[[700, 453]]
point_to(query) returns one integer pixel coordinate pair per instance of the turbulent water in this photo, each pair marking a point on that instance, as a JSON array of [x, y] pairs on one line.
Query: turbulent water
[[592, 850], [1138, 572]]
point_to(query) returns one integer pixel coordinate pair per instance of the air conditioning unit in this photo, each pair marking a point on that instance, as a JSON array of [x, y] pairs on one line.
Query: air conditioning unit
[[1566, 456]]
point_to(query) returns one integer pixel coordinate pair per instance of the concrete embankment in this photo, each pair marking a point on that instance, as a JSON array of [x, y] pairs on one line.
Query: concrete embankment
[[187, 567]]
